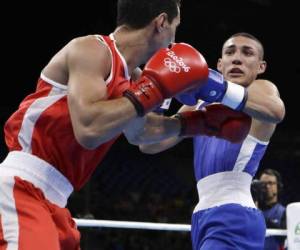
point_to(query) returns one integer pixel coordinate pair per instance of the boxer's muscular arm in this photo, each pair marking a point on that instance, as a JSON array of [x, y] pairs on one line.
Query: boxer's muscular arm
[[264, 103], [265, 107], [95, 120], [160, 146], [151, 128], [215, 120], [155, 133]]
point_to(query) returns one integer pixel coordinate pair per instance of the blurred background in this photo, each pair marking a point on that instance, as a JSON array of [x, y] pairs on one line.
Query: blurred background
[[161, 188]]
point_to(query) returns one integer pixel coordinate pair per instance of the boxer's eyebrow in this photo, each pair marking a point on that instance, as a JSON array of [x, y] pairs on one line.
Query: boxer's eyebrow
[[235, 46], [230, 47], [247, 47]]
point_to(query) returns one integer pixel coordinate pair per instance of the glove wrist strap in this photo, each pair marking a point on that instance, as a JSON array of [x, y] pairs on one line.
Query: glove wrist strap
[[235, 96], [139, 108]]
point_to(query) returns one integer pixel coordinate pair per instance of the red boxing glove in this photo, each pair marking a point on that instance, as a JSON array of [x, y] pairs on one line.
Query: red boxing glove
[[169, 72], [216, 120], [119, 89]]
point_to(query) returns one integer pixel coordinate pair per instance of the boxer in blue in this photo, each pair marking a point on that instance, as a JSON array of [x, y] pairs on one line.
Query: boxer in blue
[[226, 156]]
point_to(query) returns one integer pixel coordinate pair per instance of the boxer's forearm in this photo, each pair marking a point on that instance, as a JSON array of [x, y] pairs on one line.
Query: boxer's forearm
[[160, 146], [152, 129]]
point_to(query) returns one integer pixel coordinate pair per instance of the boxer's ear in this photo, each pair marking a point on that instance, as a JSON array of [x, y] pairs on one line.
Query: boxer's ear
[[160, 21], [262, 67]]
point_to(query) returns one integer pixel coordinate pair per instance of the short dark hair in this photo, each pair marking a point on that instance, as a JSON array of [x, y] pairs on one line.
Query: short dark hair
[[139, 13], [250, 36], [275, 173]]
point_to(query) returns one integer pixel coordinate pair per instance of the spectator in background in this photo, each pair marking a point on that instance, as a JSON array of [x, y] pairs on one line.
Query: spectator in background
[[273, 210]]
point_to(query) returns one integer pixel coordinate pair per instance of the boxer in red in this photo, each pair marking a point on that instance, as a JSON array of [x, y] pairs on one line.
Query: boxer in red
[[86, 96]]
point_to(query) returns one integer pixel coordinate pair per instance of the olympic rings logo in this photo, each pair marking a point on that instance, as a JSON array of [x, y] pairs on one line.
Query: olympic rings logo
[[172, 65]]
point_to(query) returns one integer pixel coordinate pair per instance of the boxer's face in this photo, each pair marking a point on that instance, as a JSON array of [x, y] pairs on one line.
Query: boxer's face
[[241, 60]]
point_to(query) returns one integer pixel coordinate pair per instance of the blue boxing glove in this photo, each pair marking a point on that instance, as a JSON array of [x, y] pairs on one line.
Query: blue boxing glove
[[216, 89]]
